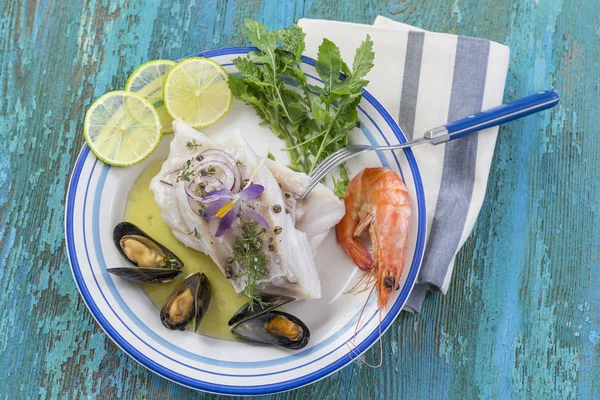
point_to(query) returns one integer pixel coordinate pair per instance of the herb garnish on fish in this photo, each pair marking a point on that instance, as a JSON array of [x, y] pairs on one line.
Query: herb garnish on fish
[[195, 233], [314, 121], [192, 145], [187, 172], [247, 250]]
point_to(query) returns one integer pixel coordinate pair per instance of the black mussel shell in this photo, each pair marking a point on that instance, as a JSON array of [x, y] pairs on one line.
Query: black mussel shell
[[266, 303], [129, 229], [257, 330], [192, 297], [145, 275]]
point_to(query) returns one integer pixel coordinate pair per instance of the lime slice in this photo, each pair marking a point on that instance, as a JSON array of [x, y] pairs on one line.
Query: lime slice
[[122, 128], [147, 81], [196, 92]]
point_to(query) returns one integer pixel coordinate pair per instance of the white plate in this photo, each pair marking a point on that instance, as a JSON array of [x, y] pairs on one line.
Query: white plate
[[96, 202]]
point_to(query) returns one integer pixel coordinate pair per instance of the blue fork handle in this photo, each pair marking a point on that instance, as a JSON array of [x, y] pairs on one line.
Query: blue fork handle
[[493, 117]]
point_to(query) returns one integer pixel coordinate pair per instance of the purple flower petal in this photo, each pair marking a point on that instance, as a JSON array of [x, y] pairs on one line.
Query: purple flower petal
[[227, 221], [255, 216], [214, 207], [219, 194], [252, 192]]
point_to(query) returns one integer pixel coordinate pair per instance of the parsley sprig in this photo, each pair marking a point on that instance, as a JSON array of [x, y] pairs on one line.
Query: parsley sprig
[[314, 121]]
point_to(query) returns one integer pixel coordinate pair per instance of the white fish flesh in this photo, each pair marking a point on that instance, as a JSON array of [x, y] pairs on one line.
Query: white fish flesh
[[316, 214], [295, 230]]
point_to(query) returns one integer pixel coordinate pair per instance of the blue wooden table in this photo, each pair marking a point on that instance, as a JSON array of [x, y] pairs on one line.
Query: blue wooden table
[[522, 316]]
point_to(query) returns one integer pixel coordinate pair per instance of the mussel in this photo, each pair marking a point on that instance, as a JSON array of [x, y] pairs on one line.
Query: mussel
[[152, 262], [262, 305], [258, 322], [188, 303]]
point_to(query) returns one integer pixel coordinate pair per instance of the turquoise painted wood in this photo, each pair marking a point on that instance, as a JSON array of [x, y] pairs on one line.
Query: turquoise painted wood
[[522, 316]]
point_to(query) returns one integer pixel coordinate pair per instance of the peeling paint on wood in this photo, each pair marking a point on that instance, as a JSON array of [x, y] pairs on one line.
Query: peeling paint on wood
[[522, 316]]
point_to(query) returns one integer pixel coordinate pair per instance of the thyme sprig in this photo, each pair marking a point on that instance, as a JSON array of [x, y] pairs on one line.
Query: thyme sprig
[[195, 233], [248, 251], [193, 145], [187, 172]]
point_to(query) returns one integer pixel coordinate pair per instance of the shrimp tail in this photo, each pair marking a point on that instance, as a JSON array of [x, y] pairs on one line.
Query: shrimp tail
[[358, 253]]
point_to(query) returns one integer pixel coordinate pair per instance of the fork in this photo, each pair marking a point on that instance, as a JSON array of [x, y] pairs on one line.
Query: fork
[[442, 134]]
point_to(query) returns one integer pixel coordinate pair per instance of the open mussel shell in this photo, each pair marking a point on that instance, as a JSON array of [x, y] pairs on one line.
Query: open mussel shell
[[152, 262], [145, 275], [258, 322], [187, 303], [274, 327], [252, 309]]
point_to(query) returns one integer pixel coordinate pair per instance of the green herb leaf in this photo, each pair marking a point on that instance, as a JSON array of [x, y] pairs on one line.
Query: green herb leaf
[[319, 110], [339, 186], [313, 121], [341, 89], [329, 63], [363, 62], [249, 70], [292, 40], [345, 69], [315, 89], [258, 35]]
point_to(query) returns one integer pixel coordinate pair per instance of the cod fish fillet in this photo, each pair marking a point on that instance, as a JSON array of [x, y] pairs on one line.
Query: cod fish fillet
[[296, 227]]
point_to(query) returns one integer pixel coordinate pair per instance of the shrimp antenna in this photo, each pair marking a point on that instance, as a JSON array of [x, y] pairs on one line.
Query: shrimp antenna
[[358, 357], [365, 278]]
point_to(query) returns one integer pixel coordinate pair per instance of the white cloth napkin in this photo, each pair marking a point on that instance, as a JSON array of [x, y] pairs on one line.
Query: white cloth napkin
[[426, 79]]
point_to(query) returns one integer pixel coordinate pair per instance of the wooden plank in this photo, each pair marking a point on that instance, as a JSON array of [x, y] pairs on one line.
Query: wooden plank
[[521, 318]]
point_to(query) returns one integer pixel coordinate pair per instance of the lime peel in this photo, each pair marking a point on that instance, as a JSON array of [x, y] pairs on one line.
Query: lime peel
[[122, 128], [147, 80], [195, 92]]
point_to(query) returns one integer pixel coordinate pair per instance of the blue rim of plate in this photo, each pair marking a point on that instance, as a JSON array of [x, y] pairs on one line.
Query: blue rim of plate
[[256, 389]]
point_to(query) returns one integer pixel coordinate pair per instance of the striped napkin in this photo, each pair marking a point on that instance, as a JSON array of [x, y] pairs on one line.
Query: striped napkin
[[426, 79]]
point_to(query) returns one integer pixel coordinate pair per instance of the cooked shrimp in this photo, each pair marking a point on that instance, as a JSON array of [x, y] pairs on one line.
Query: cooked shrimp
[[377, 200]]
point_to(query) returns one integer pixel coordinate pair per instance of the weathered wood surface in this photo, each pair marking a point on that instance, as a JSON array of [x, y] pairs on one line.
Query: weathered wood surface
[[522, 316]]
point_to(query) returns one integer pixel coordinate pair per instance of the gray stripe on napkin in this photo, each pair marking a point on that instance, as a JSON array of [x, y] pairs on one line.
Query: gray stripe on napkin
[[458, 175], [414, 303], [410, 82]]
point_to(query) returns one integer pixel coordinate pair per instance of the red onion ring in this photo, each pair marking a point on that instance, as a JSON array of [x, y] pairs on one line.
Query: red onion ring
[[237, 175], [209, 180], [231, 177], [228, 177]]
